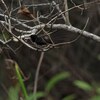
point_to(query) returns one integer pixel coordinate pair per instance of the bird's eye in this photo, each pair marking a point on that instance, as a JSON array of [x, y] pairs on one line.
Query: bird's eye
[[33, 38]]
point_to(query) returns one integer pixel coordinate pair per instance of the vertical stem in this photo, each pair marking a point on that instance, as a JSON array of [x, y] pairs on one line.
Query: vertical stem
[[37, 74], [85, 4], [67, 13]]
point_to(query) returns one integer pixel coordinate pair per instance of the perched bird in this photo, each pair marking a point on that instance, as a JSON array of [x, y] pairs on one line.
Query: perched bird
[[40, 40], [26, 12]]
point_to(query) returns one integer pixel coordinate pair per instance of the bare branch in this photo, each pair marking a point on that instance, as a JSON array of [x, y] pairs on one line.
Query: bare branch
[[13, 19], [33, 30], [57, 6], [64, 27]]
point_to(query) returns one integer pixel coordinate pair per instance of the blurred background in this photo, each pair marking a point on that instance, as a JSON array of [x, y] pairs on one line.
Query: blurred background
[[80, 58]]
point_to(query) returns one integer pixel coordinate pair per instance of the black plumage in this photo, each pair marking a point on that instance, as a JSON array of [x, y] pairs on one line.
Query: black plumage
[[40, 40]]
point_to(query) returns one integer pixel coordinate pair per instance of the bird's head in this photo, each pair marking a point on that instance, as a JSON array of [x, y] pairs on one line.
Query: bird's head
[[33, 38]]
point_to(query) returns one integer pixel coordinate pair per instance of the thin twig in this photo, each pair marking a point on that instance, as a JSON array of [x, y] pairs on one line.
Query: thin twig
[[77, 6], [58, 8], [37, 74], [67, 21], [13, 19]]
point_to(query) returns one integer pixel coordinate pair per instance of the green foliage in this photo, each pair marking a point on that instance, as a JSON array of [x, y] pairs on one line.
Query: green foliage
[[98, 90], [13, 93], [53, 81], [21, 81], [89, 88], [83, 85], [97, 97], [69, 97], [37, 95]]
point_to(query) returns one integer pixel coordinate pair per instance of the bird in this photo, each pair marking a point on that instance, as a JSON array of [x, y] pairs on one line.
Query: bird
[[40, 40]]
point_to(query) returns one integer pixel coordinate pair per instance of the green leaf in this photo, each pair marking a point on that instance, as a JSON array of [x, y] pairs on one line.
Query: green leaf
[[70, 97], [97, 97], [13, 93], [21, 80], [37, 95], [98, 90], [57, 78], [83, 85]]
